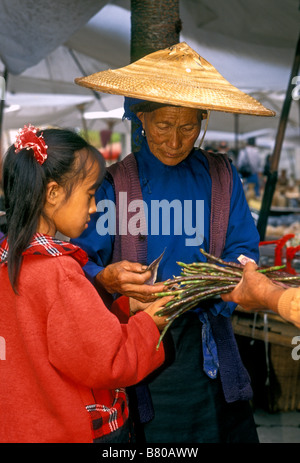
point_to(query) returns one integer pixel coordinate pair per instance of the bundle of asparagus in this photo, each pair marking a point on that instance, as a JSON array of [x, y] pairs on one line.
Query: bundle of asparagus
[[204, 280]]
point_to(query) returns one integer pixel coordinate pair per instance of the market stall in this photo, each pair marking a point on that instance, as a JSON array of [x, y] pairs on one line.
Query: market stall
[[266, 344]]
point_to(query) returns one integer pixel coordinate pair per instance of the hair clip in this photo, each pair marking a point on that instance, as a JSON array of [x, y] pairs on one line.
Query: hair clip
[[28, 139]]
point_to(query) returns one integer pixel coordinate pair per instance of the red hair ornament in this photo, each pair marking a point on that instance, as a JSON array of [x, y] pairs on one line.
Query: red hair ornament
[[28, 139]]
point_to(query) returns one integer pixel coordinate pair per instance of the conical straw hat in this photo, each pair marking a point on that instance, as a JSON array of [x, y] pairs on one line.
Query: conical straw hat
[[176, 76]]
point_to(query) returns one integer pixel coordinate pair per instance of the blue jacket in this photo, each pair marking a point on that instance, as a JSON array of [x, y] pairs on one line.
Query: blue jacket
[[188, 182]]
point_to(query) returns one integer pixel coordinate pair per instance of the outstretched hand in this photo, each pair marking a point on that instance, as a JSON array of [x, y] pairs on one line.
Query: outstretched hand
[[255, 291]]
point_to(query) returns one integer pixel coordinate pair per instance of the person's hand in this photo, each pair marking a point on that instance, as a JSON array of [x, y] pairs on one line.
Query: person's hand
[[128, 278], [137, 306], [160, 321], [255, 291]]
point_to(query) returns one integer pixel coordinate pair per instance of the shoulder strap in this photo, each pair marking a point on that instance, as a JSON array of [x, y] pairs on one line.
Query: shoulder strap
[[133, 248], [221, 188], [129, 246], [234, 376]]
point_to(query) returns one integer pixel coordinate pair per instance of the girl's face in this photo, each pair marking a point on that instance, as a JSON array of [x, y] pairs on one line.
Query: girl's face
[[70, 217]]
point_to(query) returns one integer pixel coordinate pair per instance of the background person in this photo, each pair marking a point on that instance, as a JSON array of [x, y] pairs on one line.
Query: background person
[[249, 165]]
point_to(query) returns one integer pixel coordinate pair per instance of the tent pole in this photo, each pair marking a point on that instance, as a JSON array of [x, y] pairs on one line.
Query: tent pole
[[77, 62], [272, 177]]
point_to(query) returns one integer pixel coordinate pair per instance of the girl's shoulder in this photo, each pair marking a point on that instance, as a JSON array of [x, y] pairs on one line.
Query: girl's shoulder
[[48, 260], [49, 274]]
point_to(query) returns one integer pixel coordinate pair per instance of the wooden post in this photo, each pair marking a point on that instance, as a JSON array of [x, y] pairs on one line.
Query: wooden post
[[154, 25]]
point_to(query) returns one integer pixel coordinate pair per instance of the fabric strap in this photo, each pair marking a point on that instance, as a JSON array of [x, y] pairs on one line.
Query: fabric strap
[[221, 188], [234, 377], [133, 246]]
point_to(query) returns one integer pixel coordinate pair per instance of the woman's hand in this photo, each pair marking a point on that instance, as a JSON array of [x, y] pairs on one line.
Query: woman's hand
[[128, 278]]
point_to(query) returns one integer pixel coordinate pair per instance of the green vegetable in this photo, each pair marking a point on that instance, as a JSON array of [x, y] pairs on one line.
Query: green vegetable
[[203, 280]]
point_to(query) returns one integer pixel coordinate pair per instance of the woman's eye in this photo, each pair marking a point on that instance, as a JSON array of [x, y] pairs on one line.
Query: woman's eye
[[163, 126]]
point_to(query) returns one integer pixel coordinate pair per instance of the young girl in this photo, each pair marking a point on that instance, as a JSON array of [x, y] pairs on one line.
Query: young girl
[[65, 359]]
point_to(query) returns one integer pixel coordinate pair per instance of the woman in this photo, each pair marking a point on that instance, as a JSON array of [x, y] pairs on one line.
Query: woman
[[179, 199]]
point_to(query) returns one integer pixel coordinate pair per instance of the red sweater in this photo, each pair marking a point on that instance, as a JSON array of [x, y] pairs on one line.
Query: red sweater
[[62, 350]]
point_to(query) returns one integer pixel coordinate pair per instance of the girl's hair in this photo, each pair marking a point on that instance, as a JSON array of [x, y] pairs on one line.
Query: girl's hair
[[25, 182]]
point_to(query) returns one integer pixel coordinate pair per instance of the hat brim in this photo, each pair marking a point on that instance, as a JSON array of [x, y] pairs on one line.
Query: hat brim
[[176, 76]]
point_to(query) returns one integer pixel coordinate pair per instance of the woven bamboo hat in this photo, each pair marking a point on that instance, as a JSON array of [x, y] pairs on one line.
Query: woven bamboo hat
[[177, 76]]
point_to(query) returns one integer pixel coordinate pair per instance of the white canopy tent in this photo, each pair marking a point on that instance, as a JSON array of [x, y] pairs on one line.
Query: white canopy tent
[[45, 45]]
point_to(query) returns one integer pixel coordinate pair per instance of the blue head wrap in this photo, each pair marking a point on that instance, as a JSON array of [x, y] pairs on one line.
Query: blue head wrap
[[131, 116]]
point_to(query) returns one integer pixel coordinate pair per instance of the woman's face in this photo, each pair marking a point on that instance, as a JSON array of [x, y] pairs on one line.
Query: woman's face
[[171, 132]]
